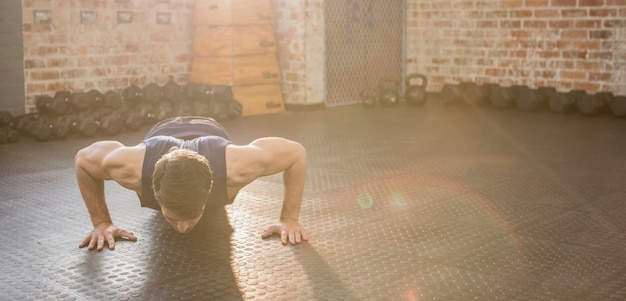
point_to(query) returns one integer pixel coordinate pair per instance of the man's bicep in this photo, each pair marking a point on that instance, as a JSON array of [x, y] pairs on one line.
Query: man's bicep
[[278, 154], [95, 158]]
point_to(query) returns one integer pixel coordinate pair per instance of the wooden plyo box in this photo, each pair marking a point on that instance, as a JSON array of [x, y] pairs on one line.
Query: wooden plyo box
[[226, 40], [233, 12], [259, 99], [236, 71]]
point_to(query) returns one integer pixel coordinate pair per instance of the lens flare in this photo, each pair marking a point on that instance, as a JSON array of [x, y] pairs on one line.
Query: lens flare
[[398, 203], [366, 200]]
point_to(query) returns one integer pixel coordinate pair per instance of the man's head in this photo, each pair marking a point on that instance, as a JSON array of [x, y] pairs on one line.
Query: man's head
[[182, 181]]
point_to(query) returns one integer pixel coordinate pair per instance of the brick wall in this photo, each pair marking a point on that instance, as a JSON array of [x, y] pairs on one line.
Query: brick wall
[[300, 37], [67, 52], [568, 44]]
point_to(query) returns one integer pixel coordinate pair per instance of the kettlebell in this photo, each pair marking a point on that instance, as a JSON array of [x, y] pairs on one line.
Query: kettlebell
[[416, 92], [368, 97], [388, 93]]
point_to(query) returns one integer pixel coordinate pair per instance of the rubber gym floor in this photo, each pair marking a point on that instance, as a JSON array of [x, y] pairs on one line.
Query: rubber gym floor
[[430, 203]]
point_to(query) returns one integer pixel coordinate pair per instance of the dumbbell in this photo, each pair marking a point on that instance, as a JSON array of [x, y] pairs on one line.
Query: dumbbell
[[42, 103], [182, 108], [451, 94], [24, 124], [532, 99], [368, 96], [8, 135], [163, 110], [60, 103], [389, 93], [235, 109], [46, 129], [87, 127], [502, 97], [111, 125], [147, 112], [222, 93], [198, 92], [564, 102], [69, 122], [593, 104], [95, 98], [172, 91], [473, 94], [618, 106], [112, 100], [152, 93], [132, 120], [80, 101], [7, 119], [220, 110], [133, 96]]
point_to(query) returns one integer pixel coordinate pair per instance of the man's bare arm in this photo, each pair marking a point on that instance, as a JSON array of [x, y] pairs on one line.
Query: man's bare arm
[[91, 172], [268, 156]]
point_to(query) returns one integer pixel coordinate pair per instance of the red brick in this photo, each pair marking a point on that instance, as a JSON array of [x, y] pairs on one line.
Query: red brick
[[34, 63], [588, 66], [496, 14], [601, 55], [560, 24], [573, 75], [511, 3], [60, 62], [603, 12], [588, 23], [563, 2], [521, 34], [521, 13], [536, 3], [546, 13], [574, 34], [43, 75], [590, 2], [586, 86], [510, 24], [587, 45], [482, 4], [575, 54], [574, 13], [535, 24], [614, 23], [600, 34]]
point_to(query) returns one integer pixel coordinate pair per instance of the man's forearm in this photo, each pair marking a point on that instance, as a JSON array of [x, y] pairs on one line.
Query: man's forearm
[[92, 191], [294, 179]]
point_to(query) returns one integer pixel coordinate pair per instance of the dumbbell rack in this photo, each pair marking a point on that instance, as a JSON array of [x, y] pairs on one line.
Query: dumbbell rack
[[234, 46]]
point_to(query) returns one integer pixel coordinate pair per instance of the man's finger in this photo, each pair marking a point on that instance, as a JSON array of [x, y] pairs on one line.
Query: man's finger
[[298, 238], [85, 241], [127, 235], [92, 242], [100, 243], [292, 238], [271, 230], [111, 242]]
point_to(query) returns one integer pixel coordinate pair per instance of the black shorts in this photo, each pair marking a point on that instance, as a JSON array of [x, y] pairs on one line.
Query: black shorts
[[188, 127]]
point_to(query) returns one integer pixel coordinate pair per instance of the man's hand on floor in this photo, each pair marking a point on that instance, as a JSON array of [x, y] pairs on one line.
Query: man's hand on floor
[[105, 233], [290, 231]]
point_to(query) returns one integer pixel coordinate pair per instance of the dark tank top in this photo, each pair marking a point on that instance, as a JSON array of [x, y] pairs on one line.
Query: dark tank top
[[202, 135]]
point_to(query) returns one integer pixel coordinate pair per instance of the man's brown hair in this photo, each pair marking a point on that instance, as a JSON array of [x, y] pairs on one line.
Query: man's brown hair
[[182, 182]]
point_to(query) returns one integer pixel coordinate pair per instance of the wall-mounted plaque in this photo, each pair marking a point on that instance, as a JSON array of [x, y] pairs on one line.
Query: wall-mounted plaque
[[164, 18], [124, 17], [42, 17], [88, 17], [122, 1], [161, 1]]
